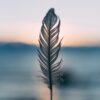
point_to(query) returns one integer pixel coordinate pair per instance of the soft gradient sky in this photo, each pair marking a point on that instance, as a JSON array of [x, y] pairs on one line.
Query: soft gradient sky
[[20, 20]]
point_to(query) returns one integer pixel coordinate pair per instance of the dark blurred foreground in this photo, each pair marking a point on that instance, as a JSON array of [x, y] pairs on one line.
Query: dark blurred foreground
[[19, 68]]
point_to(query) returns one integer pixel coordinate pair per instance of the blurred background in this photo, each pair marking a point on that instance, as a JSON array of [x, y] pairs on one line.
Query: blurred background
[[20, 23]]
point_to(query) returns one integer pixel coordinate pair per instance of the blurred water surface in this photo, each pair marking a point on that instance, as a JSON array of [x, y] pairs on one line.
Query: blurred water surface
[[19, 69]]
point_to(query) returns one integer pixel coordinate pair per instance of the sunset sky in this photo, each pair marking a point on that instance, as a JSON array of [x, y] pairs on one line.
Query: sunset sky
[[20, 20]]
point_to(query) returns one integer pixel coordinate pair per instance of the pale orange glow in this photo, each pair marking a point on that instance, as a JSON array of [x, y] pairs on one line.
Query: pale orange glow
[[29, 33], [85, 42], [44, 92]]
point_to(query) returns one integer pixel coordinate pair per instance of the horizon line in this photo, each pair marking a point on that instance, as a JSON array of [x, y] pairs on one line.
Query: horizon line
[[18, 42]]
